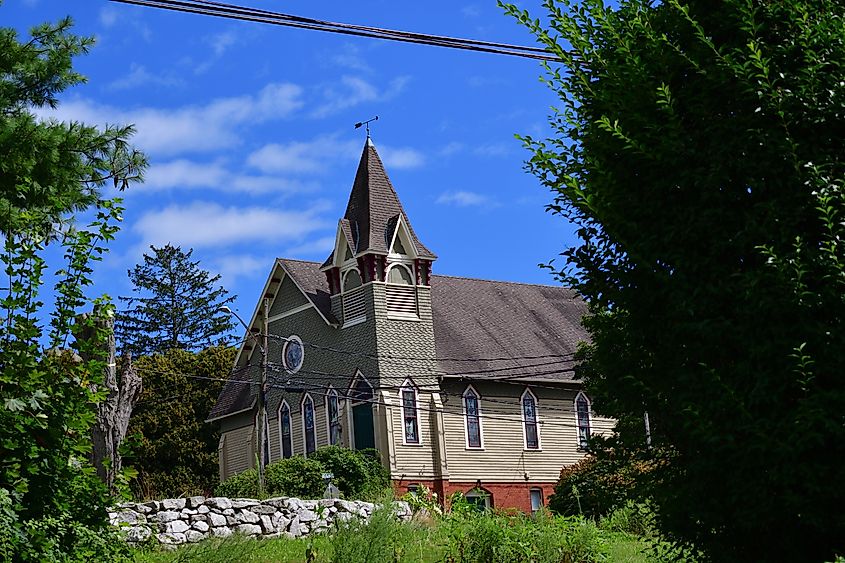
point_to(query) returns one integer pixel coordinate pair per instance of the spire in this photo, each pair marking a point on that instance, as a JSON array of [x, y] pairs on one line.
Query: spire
[[374, 208]]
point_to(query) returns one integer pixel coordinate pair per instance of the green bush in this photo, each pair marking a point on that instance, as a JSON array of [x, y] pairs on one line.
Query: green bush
[[296, 477], [636, 519], [593, 487], [357, 474]]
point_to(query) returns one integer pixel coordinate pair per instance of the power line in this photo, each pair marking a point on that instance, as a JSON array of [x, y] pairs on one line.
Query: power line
[[243, 13]]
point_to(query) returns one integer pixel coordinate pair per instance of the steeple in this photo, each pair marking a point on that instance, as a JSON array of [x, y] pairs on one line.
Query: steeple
[[374, 209], [376, 231]]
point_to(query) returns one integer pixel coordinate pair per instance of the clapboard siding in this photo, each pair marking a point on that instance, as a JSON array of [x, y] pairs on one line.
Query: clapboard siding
[[504, 456], [412, 460], [237, 449]]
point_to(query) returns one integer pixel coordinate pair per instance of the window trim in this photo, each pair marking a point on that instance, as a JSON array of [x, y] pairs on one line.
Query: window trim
[[409, 269], [525, 423], [471, 390], [293, 339], [350, 392], [284, 404], [343, 288], [331, 393], [583, 447], [406, 386], [480, 492], [531, 500], [305, 399]]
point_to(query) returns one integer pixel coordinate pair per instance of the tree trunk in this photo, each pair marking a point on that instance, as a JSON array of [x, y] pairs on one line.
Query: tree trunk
[[114, 411]]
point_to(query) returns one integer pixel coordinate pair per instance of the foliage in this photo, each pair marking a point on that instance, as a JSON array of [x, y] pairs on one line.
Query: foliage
[[176, 306], [697, 150], [380, 539], [480, 537], [425, 500], [49, 173], [596, 486], [357, 474], [176, 451], [631, 518]]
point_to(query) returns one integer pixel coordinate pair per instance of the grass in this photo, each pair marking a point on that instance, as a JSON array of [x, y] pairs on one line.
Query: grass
[[460, 539]]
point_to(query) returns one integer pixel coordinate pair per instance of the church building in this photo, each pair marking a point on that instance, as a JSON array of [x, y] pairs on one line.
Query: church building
[[461, 384]]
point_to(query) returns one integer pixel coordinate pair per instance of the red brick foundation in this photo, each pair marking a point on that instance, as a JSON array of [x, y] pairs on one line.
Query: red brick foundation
[[503, 495]]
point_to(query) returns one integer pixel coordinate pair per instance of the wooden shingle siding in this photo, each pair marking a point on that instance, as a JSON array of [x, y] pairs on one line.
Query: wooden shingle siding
[[287, 297]]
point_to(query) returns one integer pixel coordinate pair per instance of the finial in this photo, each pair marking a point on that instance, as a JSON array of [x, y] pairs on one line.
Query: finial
[[366, 124]]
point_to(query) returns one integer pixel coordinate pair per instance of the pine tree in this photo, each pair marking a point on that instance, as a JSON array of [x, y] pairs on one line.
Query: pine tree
[[176, 305]]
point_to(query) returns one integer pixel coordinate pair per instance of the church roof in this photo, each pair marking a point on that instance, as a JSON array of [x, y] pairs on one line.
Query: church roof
[[477, 325], [374, 208]]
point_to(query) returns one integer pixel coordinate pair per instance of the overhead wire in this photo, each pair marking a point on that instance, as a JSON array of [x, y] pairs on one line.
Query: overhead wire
[[244, 13]]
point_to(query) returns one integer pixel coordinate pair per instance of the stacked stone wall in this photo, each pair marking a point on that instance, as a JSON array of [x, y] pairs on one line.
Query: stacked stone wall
[[191, 519]]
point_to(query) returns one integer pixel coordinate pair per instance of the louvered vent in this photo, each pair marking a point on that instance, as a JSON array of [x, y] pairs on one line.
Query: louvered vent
[[401, 300], [354, 306]]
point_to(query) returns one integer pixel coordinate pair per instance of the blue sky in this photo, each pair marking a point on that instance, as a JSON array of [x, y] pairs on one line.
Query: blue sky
[[249, 132]]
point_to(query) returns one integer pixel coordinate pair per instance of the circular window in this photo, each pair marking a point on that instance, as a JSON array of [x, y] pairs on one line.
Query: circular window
[[293, 354]]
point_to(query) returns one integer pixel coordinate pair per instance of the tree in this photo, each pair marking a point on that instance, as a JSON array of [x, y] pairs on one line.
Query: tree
[[49, 172], [176, 307], [176, 451], [698, 151]]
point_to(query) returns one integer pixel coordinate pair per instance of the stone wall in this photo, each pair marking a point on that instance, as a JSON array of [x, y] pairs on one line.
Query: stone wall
[[189, 520]]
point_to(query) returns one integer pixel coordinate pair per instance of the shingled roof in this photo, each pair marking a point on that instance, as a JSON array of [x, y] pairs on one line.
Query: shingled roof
[[374, 208]]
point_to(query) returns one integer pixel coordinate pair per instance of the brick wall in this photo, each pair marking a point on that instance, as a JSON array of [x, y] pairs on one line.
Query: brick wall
[[504, 495]]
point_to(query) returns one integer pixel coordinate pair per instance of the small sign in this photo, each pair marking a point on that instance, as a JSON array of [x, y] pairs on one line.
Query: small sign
[[328, 476]]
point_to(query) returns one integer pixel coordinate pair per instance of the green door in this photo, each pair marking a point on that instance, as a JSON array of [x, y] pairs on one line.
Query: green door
[[362, 422]]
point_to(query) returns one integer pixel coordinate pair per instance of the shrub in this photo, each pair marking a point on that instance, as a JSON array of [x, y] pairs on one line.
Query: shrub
[[357, 474], [636, 519], [295, 476], [593, 487]]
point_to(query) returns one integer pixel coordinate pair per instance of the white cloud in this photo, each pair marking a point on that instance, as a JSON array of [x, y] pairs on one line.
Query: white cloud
[[349, 57], [352, 91], [139, 76], [197, 128], [185, 174], [492, 150], [452, 148], [220, 42], [108, 16], [464, 199], [234, 266], [205, 224], [322, 245], [303, 157], [401, 157]]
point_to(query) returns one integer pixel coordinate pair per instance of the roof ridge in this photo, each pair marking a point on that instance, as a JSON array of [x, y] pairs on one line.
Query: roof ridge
[[503, 281], [295, 260]]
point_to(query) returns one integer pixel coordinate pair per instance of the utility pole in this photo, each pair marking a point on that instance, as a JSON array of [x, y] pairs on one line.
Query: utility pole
[[262, 407]]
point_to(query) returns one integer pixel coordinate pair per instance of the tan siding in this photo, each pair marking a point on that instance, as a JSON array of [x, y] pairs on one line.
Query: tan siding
[[237, 449], [296, 429], [273, 437], [412, 461], [504, 456]]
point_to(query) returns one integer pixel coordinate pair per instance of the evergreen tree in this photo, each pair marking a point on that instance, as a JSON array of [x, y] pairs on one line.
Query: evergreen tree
[[51, 508], [698, 149], [176, 306]]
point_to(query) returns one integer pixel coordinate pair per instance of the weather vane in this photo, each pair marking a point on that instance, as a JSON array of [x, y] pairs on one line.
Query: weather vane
[[366, 124]]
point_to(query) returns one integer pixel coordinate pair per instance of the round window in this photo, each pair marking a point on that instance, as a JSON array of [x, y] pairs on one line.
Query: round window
[[293, 354]]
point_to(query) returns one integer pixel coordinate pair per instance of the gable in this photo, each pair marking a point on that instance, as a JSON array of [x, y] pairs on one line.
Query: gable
[[287, 297]]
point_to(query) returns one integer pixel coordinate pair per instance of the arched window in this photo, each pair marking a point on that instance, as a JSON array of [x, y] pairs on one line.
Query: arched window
[[529, 421], [351, 280], [472, 416], [582, 411], [400, 275], [333, 417], [479, 498], [284, 430], [410, 415], [362, 391], [308, 424]]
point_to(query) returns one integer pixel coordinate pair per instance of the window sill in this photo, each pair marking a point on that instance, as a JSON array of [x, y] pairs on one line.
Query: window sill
[[401, 317], [412, 445], [355, 321], [474, 449], [532, 449]]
